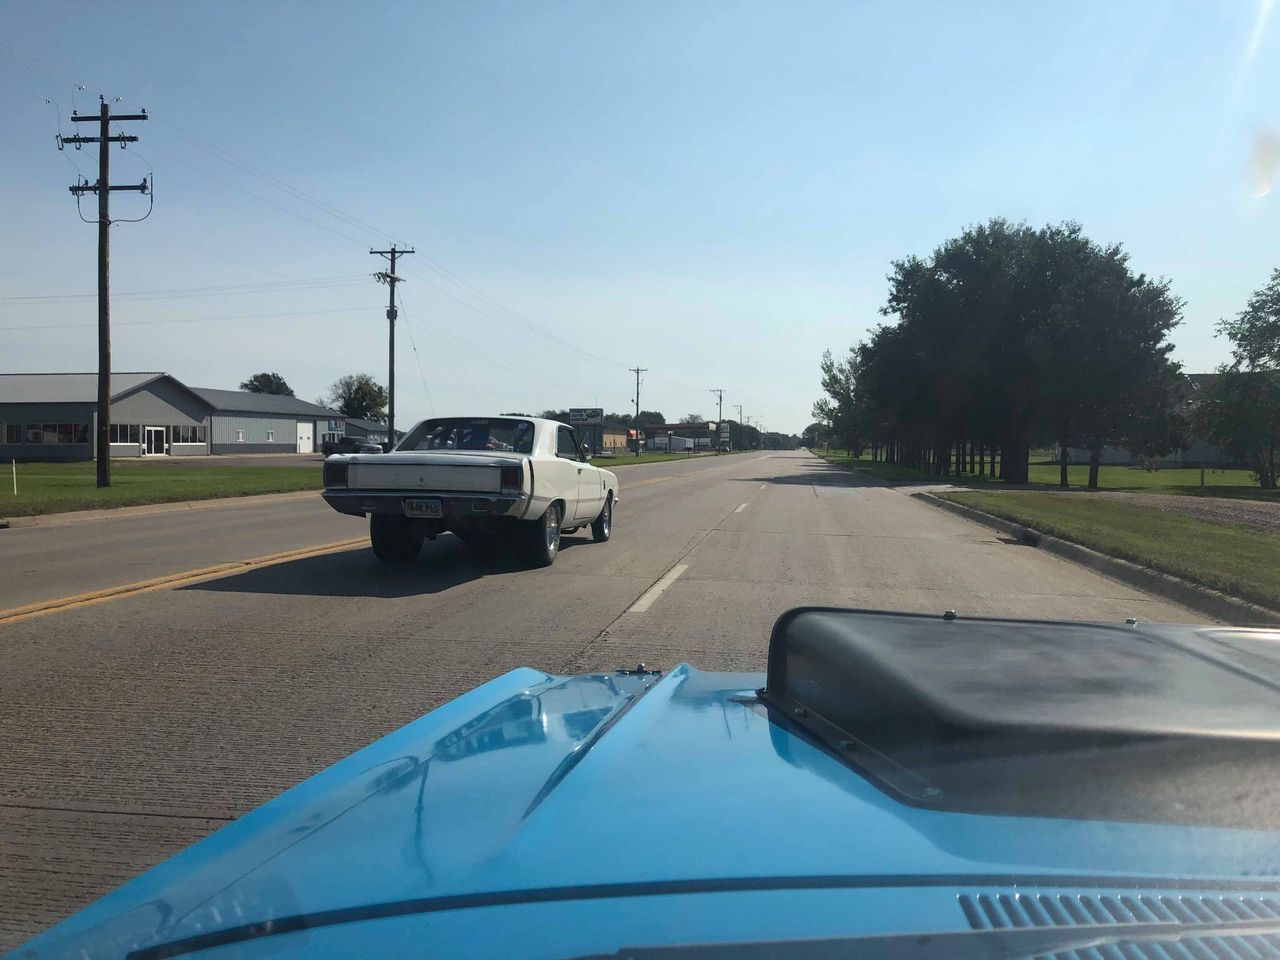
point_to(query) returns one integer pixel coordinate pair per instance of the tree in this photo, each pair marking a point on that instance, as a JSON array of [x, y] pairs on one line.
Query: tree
[[693, 418], [1240, 411], [359, 396], [1005, 337], [1256, 330], [267, 383]]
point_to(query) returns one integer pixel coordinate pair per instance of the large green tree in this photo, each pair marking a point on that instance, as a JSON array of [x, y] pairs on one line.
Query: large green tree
[[358, 395], [1002, 338], [267, 383]]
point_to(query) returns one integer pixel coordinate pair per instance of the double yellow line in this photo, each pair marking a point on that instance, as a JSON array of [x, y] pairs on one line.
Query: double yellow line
[[18, 614]]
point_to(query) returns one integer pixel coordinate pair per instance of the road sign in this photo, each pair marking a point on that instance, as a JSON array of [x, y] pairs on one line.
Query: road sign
[[724, 430], [586, 416]]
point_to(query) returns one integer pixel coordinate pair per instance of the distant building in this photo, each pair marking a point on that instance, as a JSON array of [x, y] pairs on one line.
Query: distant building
[[52, 416], [369, 429]]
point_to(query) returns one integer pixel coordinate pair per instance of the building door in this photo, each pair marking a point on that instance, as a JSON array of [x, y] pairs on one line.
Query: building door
[[156, 446], [306, 435]]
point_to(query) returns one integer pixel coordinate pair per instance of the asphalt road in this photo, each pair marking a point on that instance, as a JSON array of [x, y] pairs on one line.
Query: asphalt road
[[132, 727]]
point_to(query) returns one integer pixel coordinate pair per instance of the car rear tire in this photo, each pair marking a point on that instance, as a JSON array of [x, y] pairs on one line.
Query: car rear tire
[[395, 539], [602, 526], [544, 538]]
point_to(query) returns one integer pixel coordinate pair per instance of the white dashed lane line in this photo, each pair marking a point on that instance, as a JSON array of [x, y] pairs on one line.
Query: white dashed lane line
[[653, 593], [741, 507]]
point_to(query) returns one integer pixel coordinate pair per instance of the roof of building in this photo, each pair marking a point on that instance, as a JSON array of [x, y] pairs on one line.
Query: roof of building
[[370, 425], [67, 387], [238, 401]]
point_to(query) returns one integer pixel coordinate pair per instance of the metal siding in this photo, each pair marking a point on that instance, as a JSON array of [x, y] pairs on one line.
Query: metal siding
[[47, 452], [25, 413], [160, 404], [223, 427]]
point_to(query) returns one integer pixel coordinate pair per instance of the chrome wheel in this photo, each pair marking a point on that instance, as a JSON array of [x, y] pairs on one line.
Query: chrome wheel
[[551, 531], [602, 526]]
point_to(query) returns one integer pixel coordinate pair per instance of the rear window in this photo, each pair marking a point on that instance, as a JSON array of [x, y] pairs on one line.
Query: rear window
[[470, 433]]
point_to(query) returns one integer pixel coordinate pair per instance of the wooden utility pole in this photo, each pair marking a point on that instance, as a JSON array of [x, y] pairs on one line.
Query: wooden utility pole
[[719, 392], [390, 279], [103, 189], [637, 371]]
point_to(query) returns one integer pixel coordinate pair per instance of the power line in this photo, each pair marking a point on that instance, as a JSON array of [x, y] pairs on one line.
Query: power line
[[177, 293], [154, 323]]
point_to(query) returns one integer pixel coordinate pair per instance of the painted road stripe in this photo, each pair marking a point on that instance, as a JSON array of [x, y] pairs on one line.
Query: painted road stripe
[[763, 485], [741, 507], [654, 592], [641, 483], [16, 614]]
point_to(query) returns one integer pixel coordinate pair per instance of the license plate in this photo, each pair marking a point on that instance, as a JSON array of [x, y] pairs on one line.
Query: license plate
[[423, 508]]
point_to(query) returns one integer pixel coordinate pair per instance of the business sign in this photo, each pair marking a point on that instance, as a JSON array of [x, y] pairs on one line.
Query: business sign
[[724, 430], [586, 416]]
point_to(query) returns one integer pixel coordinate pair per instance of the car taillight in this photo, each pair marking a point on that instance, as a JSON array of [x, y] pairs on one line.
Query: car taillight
[[335, 474], [512, 479]]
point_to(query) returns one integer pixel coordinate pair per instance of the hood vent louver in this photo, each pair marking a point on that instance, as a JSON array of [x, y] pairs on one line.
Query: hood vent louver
[[1002, 911]]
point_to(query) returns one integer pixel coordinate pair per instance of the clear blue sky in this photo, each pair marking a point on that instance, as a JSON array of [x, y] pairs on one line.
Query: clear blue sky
[[710, 190]]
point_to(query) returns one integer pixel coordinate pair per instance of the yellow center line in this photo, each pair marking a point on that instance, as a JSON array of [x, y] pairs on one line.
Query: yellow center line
[[169, 581]]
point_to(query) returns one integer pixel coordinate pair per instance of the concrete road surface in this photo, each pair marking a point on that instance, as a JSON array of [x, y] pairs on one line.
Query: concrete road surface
[[133, 727]]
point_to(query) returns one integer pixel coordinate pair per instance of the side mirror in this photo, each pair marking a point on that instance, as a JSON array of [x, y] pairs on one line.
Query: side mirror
[[586, 451]]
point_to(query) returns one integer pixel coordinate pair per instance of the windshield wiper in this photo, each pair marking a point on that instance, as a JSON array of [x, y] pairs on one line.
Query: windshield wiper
[[1021, 943]]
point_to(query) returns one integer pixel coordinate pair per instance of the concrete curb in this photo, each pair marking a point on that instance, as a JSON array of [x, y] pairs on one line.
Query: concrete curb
[[1204, 600], [148, 509]]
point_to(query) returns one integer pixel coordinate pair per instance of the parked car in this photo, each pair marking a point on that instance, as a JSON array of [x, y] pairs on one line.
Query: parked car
[[350, 445], [519, 481], [895, 785]]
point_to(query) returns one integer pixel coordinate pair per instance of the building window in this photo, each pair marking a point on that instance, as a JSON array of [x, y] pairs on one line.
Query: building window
[[82, 433], [124, 433], [271, 436], [34, 433], [239, 436], [187, 434], [13, 433]]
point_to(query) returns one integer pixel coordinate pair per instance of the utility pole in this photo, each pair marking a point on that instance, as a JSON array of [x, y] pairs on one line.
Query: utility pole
[[103, 188], [637, 371], [719, 392], [390, 279], [742, 434]]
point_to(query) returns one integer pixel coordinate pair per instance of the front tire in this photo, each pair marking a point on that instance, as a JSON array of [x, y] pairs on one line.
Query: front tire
[[395, 539], [602, 526], [544, 538]]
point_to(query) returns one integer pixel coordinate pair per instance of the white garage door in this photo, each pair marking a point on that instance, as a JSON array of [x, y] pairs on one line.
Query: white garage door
[[306, 433]]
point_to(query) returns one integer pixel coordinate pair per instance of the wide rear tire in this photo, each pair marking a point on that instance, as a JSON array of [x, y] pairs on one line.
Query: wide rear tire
[[395, 539], [543, 538], [602, 526]]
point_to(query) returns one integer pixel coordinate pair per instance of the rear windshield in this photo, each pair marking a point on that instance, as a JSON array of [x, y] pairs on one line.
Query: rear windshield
[[471, 433]]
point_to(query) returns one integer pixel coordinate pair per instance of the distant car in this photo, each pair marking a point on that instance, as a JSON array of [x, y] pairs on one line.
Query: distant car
[[518, 481], [894, 786], [350, 445]]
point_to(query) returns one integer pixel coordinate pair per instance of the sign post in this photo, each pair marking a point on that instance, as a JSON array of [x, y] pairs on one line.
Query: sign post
[[588, 417]]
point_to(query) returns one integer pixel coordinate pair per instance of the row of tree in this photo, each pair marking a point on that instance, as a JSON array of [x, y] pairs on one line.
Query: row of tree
[[1008, 337]]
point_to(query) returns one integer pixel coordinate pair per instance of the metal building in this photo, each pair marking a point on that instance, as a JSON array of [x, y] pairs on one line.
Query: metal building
[[52, 416]]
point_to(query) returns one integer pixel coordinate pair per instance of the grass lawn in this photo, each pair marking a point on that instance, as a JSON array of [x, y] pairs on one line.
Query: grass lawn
[[1180, 480], [1239, 561], [59, 487], [629, 459]]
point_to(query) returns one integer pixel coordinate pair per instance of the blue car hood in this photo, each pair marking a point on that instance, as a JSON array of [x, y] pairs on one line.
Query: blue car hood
[[553, 789]]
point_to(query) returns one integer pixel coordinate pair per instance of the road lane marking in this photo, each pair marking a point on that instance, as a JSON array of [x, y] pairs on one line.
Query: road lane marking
[[641, 483], [763, 485], [169, 581], [741, 507], [653, 593]]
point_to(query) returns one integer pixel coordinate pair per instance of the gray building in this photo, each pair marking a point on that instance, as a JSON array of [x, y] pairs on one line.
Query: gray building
[[52, 416], [368, 429]]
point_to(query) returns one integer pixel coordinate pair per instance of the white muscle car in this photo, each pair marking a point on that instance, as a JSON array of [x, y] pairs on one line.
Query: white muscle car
[[498, 479]]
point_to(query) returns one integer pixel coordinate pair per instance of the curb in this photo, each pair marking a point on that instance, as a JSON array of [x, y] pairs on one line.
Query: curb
[[1204, 600], [149, 509]]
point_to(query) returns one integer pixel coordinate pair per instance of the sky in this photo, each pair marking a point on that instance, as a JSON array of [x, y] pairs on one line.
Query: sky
[[713, 191]]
